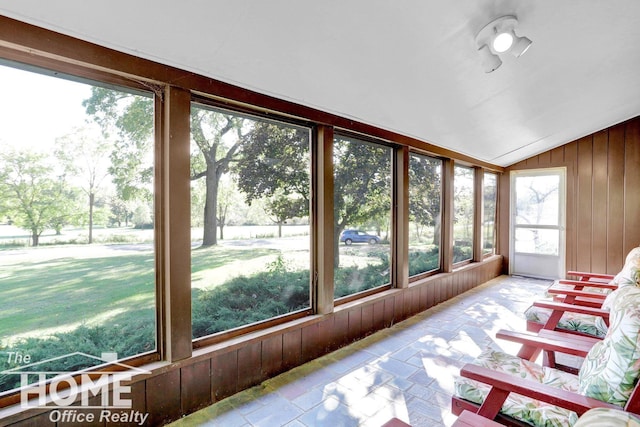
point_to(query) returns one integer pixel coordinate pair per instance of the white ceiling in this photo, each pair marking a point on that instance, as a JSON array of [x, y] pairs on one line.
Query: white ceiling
[[409, 66]]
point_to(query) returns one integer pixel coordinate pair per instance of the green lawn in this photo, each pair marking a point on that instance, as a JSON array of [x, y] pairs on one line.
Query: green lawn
[[56, 293]]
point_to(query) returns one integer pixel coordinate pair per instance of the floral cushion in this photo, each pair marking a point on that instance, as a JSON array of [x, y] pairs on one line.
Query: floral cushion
[[584, 323], [605, 417], [574, 322], [630, 273], [610, 370], [520, 407]]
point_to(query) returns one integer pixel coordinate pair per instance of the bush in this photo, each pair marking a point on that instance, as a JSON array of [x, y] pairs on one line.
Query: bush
[[134, 338], [245, 300]]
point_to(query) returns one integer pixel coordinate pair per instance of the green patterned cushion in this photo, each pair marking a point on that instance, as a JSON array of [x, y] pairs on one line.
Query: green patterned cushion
[[604, 417], [576, 322], [629, 275], [611, 369], [520, 407]]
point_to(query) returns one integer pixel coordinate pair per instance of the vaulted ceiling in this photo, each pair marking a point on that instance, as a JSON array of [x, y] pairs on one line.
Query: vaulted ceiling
[[408, 66]]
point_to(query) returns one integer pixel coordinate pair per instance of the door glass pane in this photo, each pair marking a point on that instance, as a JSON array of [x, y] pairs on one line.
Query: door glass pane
[[537, 200], [362, 204], [537, 241], [249, 219], [425, 194], [463, 211]]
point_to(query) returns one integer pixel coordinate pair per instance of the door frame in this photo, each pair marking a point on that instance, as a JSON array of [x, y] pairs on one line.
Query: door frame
[[562, 218]]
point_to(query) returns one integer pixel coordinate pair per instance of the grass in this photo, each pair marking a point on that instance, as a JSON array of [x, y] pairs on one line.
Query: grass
[[56, 294]]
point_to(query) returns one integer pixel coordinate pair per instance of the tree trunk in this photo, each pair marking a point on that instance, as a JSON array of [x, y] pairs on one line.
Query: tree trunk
[[336, 247], [35, 238], [91, 200], [210, 237], [221, 227], [279, 230]]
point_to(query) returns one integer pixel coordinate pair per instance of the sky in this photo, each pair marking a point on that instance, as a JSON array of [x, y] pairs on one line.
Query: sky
[[36, 109]]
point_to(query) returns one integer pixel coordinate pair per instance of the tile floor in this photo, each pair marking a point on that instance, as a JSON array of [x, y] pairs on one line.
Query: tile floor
[[405, 371]]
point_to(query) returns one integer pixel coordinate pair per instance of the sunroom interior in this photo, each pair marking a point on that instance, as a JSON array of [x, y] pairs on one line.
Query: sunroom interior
[[228, 191]]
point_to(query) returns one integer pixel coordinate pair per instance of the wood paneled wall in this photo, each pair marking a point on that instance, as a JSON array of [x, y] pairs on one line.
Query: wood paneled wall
[[221, 370], [603, 197]]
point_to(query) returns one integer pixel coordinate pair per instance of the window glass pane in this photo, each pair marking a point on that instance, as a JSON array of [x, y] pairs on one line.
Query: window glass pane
[[77, 275], [490, 197], [362, 200], [537, 241], [463, 214], [425, 195], [537, 200], [249, 219]]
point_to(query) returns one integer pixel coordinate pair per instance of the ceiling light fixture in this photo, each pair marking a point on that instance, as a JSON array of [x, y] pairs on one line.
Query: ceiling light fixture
[[498, 37]]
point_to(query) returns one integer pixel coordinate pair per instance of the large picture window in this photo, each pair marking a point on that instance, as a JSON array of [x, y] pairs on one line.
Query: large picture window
[[425, 199], [463, 209], [249, 219], [77, 270], [362, 210]]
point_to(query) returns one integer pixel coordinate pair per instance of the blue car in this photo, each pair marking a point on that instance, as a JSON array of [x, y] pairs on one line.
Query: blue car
[[357, 236]]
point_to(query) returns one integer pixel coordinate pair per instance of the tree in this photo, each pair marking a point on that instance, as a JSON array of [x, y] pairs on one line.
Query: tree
[[33, 196], [84, 157], [425, 184], [362, 185], [282, 208], [218, 137], [275, 160], [130, 117]]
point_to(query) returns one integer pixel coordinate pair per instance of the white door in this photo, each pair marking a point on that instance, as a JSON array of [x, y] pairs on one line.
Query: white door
[[537, 246]]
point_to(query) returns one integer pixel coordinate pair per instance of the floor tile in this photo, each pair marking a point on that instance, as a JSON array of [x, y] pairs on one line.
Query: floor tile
[[406, 371]]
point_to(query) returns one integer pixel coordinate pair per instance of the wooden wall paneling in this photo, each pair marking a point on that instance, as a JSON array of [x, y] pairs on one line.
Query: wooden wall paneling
[[224, 375], [557, 156], [138, 396], [632, 185], [400, 309], [584, 203], [615, 203], [378, 315], [504, 218], [389, 311], [341, 329], [311, 346], [431, 300], [544, 159], [532, 162], [195, 386], [424, 290], [272, 356], [367, 319], [291, 348], [599, 201], [250, 365], [570, 161], [355, 323], [163, 398], [41, 420], [326, 336]]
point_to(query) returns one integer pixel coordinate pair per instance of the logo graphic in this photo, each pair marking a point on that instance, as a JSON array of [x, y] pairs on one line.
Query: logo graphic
[[41, 388]]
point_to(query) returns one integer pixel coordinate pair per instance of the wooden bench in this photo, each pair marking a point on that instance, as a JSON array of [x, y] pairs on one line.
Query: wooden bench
[[470, 419]]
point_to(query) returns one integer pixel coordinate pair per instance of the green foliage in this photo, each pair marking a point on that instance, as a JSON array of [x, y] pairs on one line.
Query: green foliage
[[135, 338], [244, 300], [275, 159], [350, 280], [423, 261], [33, 196]]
